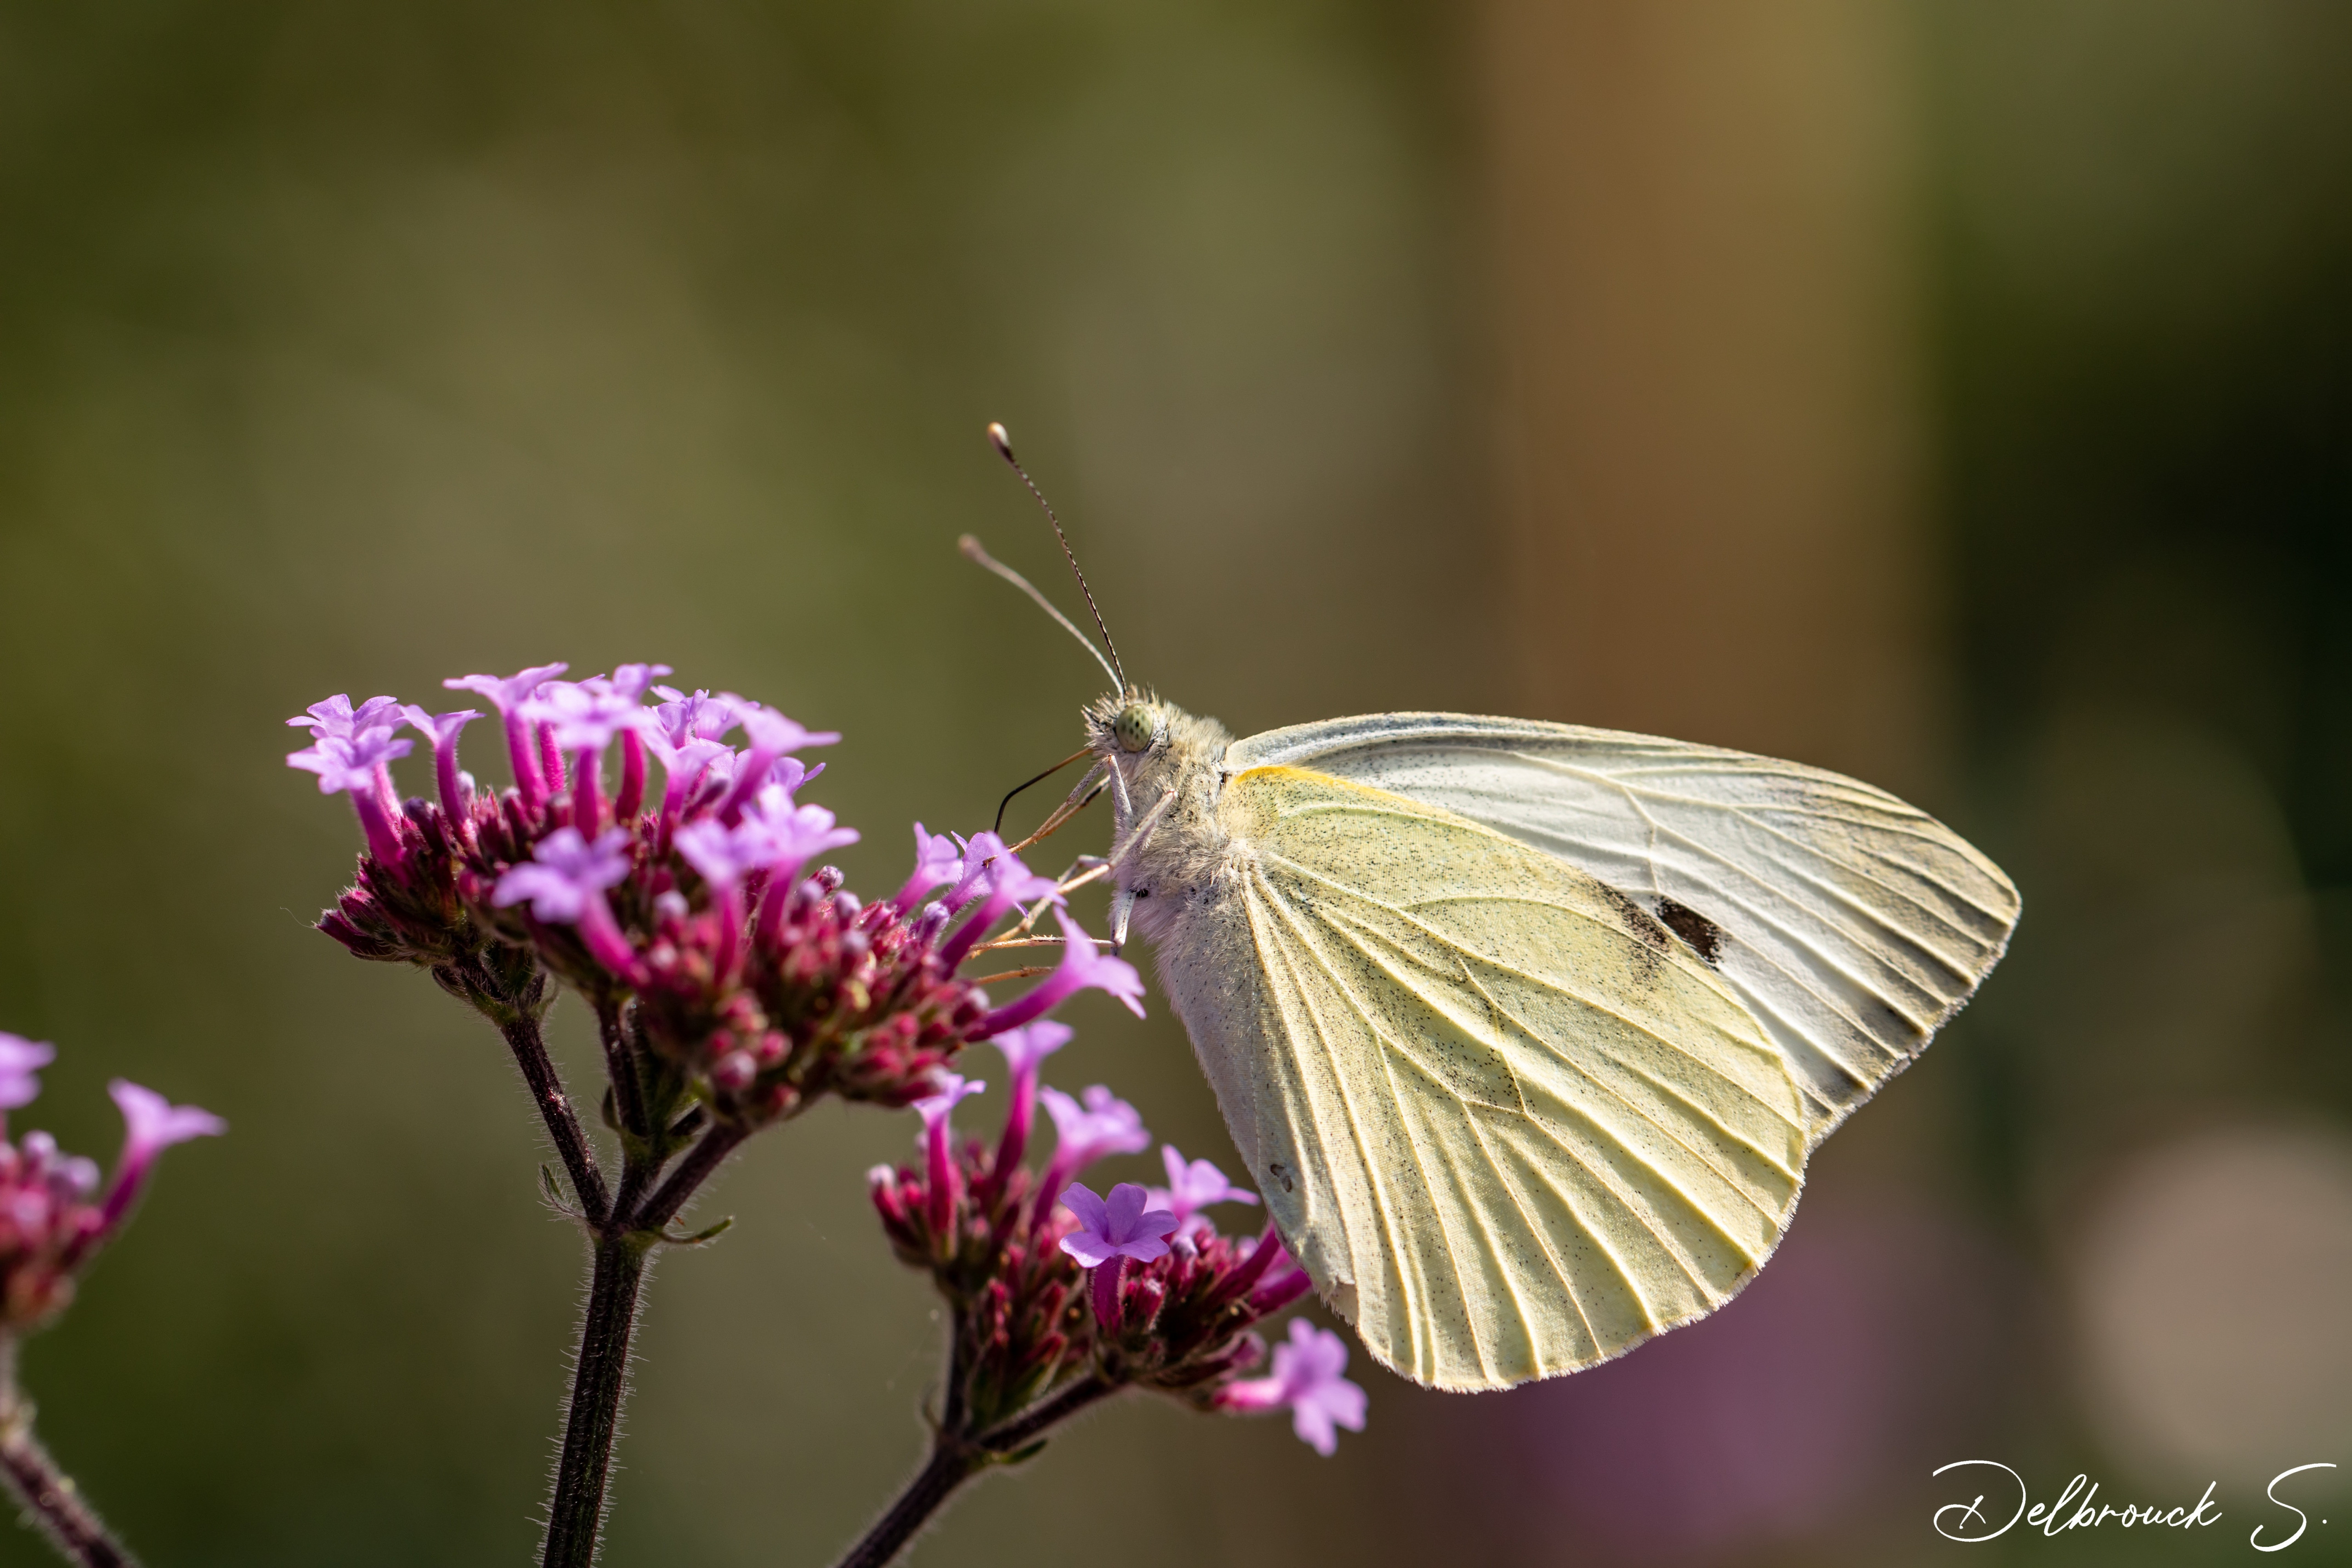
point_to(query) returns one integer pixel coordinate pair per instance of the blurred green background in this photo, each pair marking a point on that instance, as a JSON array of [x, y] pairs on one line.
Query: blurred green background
[[1953, 393]]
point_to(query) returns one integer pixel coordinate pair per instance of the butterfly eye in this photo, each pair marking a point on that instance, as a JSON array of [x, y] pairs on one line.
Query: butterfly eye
[[1134, 728]]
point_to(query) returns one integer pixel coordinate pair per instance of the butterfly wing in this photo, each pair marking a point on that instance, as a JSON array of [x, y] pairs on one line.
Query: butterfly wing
[[1509, 1124], [1850, 925]]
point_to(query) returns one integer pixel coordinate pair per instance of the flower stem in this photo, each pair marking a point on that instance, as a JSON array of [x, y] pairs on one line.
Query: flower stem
[[50, 1500], [600, 1377], [519, 1023], [703, 1159], [952, 1462], [958, 1457]]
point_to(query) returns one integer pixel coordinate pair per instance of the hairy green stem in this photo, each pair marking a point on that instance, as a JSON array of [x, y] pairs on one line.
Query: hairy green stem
[[52, 1502], [575, 1517], [956, 1457], [951, 1463]]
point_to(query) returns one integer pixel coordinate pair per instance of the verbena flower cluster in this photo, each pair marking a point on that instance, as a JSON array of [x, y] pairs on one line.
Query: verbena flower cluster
[[1058, 1294], [733, 986], [681, 912], [55, 1212]]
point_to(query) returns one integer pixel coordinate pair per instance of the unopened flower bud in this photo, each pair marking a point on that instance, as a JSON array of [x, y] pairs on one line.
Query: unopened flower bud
[[930, 922], [846, 902], [734, 1071]]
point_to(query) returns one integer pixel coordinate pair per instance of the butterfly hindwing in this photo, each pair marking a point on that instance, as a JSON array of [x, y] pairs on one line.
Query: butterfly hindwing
[[1510, 1121], [1850, 924]]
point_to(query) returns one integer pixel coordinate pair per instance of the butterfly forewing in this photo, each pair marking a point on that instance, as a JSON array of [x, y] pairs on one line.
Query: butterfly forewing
[[1849, 924], [1510, 1123]]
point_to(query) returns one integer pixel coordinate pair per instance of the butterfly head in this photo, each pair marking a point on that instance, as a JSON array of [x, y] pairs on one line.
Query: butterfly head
[[1135, 725], [1123, 728]]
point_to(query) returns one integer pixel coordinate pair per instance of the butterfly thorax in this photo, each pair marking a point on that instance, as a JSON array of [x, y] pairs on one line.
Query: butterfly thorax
[[1165, 841]]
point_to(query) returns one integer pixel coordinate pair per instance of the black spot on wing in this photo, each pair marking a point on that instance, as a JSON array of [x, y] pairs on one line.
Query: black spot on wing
[[1638, 920], [1704, 936]]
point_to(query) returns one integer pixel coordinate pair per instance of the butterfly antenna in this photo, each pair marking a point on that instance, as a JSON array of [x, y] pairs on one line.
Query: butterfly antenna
[[1004, 445], [979, 557]]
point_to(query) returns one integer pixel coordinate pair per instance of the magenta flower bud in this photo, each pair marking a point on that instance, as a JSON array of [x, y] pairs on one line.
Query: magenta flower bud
[[929, 924], [508, 694], [734, 1071], [1083, 966], [1309, 1381], [939, 1164], [151, 1124], [440, 730], [551, 756], [1025, 1050], [1267, 1252], [631, 799], [20, 1058]]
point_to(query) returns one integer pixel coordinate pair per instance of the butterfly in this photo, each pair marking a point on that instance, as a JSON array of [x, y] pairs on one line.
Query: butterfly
[[1526, 1030]]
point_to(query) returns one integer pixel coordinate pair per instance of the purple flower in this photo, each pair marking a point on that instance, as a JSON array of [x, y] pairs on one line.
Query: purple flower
[[507, 694], [938, 861], [632, 681], [1102, 1126], [792, 834], [349, 764], [724, 856], [1025, 1050], [684, 766], [584, 715], [1117, 1226], [566, 873], [582, 718], [1307, 1380], [336, 719], [1083, 965], [772, 735], [1110, 1231], [151, 1124], [20, 1058], [978, 854], [701, 717], [1193, 1187], [361, 767], [1008, 882], [565, 883], [940, 1164], [441, 731]]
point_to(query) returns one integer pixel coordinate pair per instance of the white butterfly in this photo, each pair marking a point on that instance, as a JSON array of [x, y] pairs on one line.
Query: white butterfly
[[1526, 1030]]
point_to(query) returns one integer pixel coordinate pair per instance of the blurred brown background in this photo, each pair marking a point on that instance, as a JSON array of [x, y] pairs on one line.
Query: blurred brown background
[[1954, 394]]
